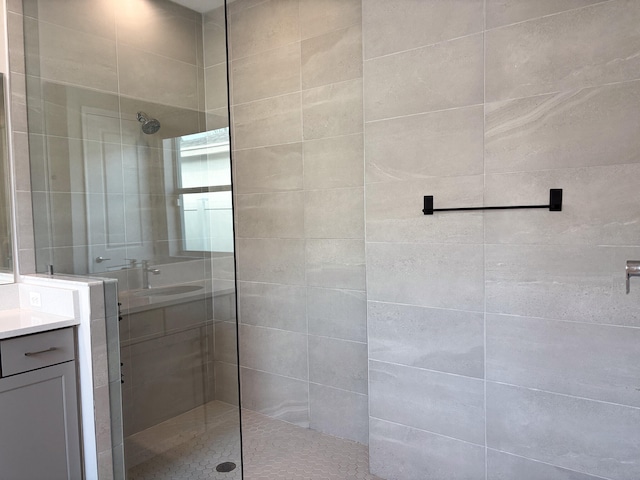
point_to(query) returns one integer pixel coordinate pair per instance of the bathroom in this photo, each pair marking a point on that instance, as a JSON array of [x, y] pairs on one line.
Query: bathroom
[[484, 344]]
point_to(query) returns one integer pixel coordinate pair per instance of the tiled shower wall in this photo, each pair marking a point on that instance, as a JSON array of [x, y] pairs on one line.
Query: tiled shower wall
[[502, 344], [296, 76]]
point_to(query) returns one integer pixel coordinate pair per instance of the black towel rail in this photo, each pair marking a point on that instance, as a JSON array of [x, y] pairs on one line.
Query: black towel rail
[[555, 204]]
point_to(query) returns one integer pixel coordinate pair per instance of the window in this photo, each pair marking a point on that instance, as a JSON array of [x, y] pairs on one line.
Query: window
[[204, 191]]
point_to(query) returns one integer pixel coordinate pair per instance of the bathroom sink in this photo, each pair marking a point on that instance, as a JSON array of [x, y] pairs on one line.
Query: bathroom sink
[[175, 290]]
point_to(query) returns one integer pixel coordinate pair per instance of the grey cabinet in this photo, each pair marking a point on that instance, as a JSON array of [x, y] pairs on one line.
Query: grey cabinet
[[39, 427]]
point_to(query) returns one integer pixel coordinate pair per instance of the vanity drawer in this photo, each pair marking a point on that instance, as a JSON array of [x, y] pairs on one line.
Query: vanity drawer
[[39, 350]]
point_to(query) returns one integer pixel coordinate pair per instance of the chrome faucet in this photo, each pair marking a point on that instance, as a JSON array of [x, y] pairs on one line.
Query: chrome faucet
[[145, 273]]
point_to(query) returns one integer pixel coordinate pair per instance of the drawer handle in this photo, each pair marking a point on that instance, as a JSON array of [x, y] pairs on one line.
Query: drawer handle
[[30, 354]]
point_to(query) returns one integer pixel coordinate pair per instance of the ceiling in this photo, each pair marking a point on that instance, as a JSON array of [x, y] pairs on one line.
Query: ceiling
[[201, 6]]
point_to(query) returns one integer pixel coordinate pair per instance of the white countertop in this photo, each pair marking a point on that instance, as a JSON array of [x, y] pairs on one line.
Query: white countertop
[[17, 322]]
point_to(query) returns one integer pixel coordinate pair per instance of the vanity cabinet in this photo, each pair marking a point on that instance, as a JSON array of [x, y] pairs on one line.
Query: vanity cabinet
[[39, 425]]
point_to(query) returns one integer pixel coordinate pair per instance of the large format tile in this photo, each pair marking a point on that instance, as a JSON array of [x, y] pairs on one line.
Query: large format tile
[[339, 413], [332, 110], [584, 435], [505, 12], [274, 351], [268, 169], [445, 340], [334, 162], [272, 305], [332, 57], [438, 77], [558, 52], [577, 128], [252, 31], [338, 363], [405, 24], [268, 122], [156, 21], [502, 466], [215, 78], [437, 275], [397, 452], [275, 396], [270, 215], [578, 283], [335, 263], [337, 313], [138, 78], [67, 56], [394, 210], [445, 404], [599, 206], [592, 361], [95, 18], [214, 37], [437, 144], [278, 71], [277, 260], [322, 16], [334, 213]]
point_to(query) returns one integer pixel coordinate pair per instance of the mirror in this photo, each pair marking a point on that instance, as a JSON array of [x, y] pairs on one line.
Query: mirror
[[6, 250]]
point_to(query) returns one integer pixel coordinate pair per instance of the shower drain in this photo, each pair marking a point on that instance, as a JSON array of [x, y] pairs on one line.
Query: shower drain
[[226, 467]]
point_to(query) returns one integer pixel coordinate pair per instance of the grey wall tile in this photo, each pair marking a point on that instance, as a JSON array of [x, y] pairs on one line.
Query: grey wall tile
[[561, 282], [335, 263], [271, 260], [268, 122], [214, 32], [445, 404], [504, 12], [577, 128], [592, 361], [215, 86], [502, 466], [278, 71], [400, 452], [274, 351], [270, 215], [226, 348], [602, 438], [15, 34], [444, 340], [599, 206], [322, 16], [338, 363], [437, 144], [69, 56], [332, 57], [268, 169], [332, 110], [226, 382], [334, 162], [334, 213], [402, 25], [97, 18], [451, 73], [138, 77], [270, 305], [155, 21], [339, 413], [279, 397], [337, 313], [445, 276], [524, 59], [394, 210], [252, 30]]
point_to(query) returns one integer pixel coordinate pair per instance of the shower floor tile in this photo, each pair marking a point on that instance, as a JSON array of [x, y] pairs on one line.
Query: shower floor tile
[[273, 450]]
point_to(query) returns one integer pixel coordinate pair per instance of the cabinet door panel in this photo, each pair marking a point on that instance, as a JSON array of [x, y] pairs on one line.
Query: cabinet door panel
[[39, 436]]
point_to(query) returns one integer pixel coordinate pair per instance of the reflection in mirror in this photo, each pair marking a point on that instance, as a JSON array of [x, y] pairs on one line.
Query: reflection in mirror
[[6, 252]]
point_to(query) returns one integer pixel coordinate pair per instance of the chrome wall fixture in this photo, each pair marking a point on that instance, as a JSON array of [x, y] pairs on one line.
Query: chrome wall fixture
[[555, 204]]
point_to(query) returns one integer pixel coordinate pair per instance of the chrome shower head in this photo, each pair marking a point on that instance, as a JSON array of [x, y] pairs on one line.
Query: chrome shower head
[[149, 125]]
